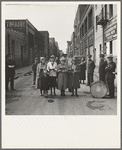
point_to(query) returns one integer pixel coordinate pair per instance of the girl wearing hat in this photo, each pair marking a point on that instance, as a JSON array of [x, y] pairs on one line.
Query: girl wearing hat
[[82, 67], [74, 78], [43, 77], [52, 70], [62, 76]]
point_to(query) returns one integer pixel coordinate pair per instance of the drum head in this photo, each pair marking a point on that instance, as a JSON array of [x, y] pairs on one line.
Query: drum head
[[98, 89]]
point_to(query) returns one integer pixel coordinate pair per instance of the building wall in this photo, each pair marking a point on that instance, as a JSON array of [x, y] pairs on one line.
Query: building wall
[[86, 30], [16, 45], [46, 43], [98, 34], [52, 47], [110, 31], [28, 41]]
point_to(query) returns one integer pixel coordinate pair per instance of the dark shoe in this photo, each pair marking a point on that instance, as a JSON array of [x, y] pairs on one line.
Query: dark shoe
[[72, 95], [77, 95], [55, 94]]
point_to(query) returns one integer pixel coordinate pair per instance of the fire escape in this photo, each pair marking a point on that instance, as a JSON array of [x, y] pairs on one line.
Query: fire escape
[[102, 20]]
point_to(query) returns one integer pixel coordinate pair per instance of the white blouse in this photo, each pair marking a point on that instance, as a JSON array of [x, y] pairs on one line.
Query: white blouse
[[51, 66]]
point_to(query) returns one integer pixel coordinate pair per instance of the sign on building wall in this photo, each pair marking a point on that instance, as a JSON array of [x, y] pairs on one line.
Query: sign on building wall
[[110, 33], [17, 25]]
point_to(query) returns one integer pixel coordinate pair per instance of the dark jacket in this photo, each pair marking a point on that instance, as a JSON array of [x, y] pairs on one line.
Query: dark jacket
[[111, 66], [102, 66], [34, 67], [90, 66], [10, 67]]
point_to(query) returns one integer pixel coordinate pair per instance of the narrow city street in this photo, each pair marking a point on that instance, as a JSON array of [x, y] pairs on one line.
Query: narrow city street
[[26, 100]]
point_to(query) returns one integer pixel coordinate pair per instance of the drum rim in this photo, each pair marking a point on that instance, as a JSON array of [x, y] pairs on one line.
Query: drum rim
[[101, 82]]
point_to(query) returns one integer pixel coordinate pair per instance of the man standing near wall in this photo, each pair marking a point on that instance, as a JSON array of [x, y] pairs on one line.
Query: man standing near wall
[[102, 65], [90, 70], [110, 76], [10, 71]]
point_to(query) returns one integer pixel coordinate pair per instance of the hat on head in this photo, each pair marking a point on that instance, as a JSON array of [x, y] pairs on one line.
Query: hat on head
[[36, 58], [102, 55], [52, 56], [41, 58], [62, 58], [110, 56], [89, 56]]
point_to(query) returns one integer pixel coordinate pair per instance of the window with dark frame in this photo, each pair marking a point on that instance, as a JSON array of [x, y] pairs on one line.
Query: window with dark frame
[[82, 30], [110, 10], [111, 47], [90, 19], [105, 12], [96, 23], [85, 25], [100, 48], [8, 43]]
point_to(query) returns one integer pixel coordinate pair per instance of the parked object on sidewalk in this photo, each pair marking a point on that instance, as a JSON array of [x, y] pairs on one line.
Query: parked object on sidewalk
[[10, 71], [90, 70], [98, 89], [110, 76], [102, 65], [34, 68], [82, 67], [74, 78], [62, 76]]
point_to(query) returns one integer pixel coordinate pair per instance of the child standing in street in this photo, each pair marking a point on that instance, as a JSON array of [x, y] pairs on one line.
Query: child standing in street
[[74, 78]]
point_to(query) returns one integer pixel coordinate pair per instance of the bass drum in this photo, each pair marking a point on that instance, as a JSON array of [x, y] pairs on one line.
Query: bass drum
[[98, 89]]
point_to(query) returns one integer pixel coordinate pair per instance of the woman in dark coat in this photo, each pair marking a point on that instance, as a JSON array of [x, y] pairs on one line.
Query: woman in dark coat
[[82, 67]]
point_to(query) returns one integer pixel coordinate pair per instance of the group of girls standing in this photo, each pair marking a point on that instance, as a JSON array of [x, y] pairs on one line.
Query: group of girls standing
[[52, 76]]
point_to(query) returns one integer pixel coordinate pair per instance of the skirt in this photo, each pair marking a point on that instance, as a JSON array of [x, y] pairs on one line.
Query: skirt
[[74, 81], [44, 83], [52, 81]]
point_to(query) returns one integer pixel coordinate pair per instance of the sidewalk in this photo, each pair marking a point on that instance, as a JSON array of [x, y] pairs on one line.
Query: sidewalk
[[22, 71]]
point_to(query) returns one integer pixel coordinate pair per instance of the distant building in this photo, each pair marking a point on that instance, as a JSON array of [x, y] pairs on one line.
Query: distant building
[[23, 41], [46, 43], [52, 47]]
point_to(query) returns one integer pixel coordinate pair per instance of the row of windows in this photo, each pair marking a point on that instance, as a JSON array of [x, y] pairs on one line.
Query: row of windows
[[106, 14], [87, 24]]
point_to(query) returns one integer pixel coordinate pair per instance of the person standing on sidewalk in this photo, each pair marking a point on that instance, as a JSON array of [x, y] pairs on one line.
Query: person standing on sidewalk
[[110, 76], [82, 66], [74, 77], [62, 76], [102, 65], [34, 68], [40, 71], [10, 72], [52, 70], [90, 70]]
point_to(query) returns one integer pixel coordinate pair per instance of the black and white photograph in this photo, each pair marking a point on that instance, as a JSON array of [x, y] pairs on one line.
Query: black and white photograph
[[59, 60]]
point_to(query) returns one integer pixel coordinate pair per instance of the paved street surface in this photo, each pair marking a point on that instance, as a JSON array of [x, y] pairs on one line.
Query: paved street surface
[[26, 100]]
